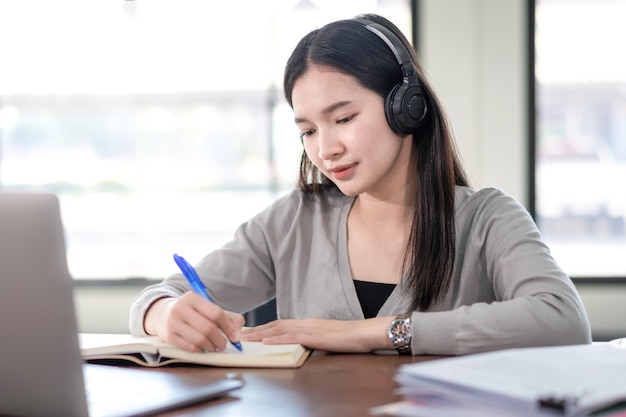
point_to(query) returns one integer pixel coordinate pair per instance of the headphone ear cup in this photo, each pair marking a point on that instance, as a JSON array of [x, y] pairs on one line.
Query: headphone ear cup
[[390, 105], [405, 108]]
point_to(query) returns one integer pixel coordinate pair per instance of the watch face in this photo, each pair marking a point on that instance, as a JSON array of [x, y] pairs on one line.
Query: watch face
[[400, 332]]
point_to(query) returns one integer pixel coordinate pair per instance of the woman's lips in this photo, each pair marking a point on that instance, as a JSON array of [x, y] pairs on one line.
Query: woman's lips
[[343, 171]]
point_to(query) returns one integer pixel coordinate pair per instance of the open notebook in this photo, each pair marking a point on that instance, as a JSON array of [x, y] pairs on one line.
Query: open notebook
[[41, 369], [150, 351]]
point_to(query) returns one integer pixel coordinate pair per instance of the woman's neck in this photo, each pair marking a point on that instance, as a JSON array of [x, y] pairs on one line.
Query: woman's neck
[[378, 233], [387, 208]]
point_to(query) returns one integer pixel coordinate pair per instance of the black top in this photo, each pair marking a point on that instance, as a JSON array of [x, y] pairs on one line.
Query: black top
[[372, 296]]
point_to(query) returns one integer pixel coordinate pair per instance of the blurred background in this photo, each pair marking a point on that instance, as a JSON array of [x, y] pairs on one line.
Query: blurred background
[[162, 125]]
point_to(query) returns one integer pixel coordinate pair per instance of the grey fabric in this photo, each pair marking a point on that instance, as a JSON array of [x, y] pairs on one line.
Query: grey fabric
[[507, 290]]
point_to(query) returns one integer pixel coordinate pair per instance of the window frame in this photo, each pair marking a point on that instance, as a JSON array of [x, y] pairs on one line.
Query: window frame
[[532, 116]]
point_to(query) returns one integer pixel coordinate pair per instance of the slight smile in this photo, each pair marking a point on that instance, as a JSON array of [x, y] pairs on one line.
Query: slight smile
[[343, 171]]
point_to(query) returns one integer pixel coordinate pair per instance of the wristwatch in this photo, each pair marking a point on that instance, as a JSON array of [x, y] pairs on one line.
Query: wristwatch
[[399, 333]]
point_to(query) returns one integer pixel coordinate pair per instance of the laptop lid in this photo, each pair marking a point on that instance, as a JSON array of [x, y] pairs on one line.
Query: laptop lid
[[41, 369]]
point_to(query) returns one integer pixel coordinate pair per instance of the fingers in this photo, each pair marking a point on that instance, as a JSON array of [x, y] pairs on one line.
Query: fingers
[[280, 331], [330, 335], [194, 324], [231, 325]]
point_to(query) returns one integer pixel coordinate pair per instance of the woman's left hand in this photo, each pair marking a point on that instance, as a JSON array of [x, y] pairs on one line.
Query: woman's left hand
[[330, 335]]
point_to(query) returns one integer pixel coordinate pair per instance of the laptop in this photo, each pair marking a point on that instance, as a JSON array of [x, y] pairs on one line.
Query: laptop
[[41, 370]]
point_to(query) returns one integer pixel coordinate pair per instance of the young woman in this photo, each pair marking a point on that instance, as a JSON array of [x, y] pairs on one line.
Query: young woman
[[383, 245]]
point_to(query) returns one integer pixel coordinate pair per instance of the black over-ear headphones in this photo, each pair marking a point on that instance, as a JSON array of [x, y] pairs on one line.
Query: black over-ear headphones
[[405, 106]]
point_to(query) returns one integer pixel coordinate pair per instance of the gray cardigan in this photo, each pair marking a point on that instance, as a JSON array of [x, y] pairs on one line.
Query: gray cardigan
[[506, 291]]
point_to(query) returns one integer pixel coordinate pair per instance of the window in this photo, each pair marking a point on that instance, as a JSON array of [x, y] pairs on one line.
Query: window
[[160, 124], [581, 133]]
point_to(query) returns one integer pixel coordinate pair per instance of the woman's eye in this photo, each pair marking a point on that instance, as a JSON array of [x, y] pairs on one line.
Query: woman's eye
[[345, 119], [306, 133]]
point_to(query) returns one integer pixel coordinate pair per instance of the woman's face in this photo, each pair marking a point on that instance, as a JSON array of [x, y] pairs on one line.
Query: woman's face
[[346, 135]]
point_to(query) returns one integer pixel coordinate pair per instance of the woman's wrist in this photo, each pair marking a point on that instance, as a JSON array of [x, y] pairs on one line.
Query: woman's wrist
[[155, 315], [375, 333]]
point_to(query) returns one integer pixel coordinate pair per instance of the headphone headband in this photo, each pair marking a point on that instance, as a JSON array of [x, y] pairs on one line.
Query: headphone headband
[[392, 41], [405, 106]]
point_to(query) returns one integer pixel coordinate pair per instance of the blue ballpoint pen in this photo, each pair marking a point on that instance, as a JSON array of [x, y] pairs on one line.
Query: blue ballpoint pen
[[194, 280]]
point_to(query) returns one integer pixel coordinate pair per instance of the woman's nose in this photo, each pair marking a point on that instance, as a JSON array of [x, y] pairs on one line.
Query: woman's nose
[[329, 144]]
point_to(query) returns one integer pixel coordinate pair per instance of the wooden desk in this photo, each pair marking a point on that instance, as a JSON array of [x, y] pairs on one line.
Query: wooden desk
[[342, 385]]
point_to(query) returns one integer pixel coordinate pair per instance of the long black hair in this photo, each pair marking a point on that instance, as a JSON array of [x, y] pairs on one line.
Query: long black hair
[[350, 48]]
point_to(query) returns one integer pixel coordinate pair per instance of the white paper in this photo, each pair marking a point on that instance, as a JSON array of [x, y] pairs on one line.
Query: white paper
[[585, 377]]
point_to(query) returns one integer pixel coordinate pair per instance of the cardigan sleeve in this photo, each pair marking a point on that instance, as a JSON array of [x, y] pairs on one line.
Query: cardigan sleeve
[[239, 276], [507, 289]]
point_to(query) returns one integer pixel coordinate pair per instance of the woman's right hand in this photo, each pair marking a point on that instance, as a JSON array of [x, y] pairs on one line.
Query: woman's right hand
[[193, 323]]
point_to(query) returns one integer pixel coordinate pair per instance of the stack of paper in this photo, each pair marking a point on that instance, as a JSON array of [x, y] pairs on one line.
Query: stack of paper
[[547, 381]]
